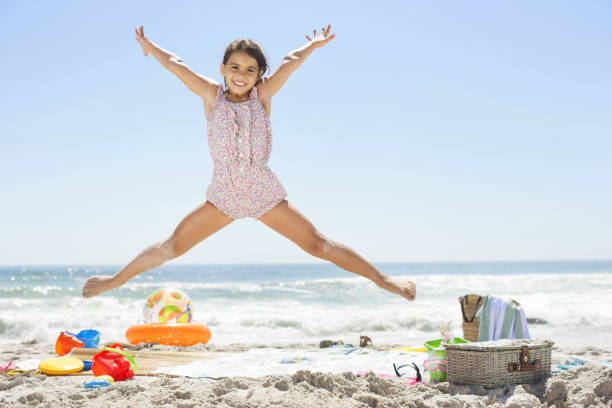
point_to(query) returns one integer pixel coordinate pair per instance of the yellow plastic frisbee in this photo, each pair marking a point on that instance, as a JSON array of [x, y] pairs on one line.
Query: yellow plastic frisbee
[[61, 365]]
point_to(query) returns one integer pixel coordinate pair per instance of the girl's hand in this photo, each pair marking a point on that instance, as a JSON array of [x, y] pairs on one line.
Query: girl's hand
[[142, 40], [322, 39]]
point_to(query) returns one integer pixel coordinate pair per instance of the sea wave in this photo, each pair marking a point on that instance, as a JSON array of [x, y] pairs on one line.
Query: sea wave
[[259, 305]]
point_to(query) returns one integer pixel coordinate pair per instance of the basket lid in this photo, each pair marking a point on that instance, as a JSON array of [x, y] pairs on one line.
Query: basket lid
[[504, 344]]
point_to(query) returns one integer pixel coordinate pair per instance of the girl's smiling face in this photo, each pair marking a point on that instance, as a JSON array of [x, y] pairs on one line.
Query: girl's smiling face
[[240, 72]]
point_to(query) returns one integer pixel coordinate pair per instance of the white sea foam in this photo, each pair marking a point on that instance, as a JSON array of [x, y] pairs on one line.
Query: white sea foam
[[272, 311]]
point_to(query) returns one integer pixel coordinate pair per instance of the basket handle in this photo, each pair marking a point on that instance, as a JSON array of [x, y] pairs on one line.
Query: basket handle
[[524, 365], [463, 309]]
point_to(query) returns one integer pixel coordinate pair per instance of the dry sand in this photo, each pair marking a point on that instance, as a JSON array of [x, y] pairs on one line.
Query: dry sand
[[589, 385]]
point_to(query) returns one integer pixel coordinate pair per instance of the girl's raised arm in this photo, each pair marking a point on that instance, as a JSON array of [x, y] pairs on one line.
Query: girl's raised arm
[[292, 61], [202, 86]]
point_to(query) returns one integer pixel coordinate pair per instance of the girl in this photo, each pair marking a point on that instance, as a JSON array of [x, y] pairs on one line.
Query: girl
[[240, 139]]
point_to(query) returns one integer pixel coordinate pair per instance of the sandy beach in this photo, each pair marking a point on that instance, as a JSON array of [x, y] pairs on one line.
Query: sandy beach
[[266, 333], [587, 385]]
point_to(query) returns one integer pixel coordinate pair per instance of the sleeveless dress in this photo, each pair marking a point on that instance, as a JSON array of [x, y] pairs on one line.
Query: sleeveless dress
[[240, 141]]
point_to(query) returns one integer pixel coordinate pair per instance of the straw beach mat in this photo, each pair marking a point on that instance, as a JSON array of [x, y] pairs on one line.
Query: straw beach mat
[[147, 360], [469, 307]]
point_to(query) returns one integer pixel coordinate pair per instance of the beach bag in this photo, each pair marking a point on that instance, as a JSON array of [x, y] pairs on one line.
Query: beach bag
[[499, 362], [470, 304], [114, 361]]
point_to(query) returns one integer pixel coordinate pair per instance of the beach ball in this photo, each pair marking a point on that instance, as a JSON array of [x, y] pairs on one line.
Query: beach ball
[[168, 306]]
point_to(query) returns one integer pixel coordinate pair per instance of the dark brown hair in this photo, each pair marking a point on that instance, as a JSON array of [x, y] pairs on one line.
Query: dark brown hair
[[252, 49]]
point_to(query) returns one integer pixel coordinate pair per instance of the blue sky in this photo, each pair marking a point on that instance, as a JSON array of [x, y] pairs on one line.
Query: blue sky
[[424, 131]]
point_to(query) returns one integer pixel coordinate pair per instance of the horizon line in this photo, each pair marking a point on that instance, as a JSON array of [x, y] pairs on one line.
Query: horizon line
[[325, 262]]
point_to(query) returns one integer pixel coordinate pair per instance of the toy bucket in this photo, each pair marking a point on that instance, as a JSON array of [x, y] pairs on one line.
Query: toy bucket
[[90, 338], [436, 363], [114, 361], [66, 341], [435, 370]]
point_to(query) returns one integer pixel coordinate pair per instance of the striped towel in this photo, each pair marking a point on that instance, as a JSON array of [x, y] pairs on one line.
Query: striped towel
[[501, 319]]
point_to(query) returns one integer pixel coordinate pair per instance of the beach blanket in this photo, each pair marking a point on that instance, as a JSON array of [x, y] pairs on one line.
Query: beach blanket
[[501, 319], [270, 361]]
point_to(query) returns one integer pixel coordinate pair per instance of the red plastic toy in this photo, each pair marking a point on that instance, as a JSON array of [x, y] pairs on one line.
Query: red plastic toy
[[114, 361], [66, 342]]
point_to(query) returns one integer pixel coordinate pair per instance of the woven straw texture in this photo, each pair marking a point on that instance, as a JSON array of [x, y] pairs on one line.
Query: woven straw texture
[[470, 305], [486, 363]]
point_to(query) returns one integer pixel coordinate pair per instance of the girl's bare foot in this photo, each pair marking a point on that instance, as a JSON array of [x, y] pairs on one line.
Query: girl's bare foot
[[96, 285], [403, 288]]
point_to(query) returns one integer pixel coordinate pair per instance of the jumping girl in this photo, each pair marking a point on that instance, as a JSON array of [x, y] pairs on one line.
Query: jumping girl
[[240, 140]]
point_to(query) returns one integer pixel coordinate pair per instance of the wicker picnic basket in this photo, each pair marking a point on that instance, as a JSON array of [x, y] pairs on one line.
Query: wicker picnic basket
[[499, 362], [469, 307]]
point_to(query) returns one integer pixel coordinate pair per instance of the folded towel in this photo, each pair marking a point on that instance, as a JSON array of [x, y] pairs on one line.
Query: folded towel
[[501, 319]]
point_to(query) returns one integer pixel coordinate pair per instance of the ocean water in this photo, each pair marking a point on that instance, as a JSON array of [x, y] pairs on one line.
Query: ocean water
[[305, 303]]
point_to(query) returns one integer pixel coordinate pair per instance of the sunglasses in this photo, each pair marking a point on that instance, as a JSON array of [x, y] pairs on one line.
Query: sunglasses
[[412, 365]]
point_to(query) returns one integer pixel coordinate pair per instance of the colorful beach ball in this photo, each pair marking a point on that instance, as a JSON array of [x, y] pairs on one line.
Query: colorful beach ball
[[168, 306]]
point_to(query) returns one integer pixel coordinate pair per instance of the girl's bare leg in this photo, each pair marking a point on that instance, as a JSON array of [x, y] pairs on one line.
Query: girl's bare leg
[[289, 222], [202, 222]]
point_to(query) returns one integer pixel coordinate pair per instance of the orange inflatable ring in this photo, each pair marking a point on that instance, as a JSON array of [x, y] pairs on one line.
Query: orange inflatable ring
[[181, 334]]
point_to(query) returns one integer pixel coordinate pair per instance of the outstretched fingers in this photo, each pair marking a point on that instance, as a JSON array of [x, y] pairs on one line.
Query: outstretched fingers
[[323, 37], [141, 38]]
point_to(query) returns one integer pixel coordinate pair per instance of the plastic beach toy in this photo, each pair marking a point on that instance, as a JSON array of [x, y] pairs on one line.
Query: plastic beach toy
[[66, 341], [114, 361], [60, 365], [96, 383], [185, 334], [435, 348], [168, 306], [436, 363], [436, 370], [89, 337]]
